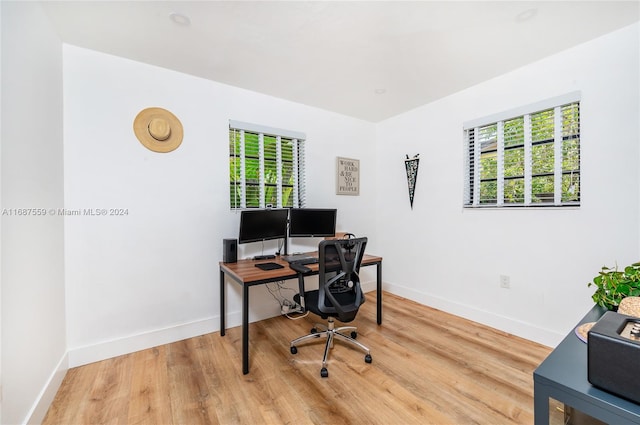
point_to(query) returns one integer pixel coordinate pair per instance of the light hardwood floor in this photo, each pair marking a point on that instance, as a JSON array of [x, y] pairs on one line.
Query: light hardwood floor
[[429, 367]]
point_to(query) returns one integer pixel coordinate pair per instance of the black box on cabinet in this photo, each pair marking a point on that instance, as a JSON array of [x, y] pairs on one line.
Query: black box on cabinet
[[613, 354], [229, 250]]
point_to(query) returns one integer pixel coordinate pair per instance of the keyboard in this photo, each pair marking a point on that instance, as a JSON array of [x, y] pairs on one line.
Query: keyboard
[[306, 260], [297, 258]]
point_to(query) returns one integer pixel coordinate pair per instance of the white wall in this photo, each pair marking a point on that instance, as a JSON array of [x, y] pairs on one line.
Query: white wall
[[151, 276], [33, 317], [450, 258]]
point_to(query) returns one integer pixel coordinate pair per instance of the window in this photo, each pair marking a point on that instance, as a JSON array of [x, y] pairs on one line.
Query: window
[[266, 167], [528, 157]]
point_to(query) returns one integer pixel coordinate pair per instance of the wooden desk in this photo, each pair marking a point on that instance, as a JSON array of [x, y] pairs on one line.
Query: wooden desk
[[563, 376], [246, 274]]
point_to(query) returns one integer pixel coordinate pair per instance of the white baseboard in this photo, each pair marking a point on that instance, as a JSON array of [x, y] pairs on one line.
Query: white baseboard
[[48, 393], [368, 286], [503, 323], [79, 356]]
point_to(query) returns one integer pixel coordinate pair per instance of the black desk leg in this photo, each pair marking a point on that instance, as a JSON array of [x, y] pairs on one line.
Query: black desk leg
[[222, 312], [245, 329], [379, 293]]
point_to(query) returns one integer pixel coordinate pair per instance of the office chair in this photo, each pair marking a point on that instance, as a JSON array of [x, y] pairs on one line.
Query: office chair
[[339, 294]]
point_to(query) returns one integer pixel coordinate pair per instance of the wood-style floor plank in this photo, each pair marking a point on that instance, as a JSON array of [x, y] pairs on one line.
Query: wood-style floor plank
[[429, 367]]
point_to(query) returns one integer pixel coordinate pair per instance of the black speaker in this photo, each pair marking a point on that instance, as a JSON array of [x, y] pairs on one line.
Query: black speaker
[[612, 355], [230, 250]]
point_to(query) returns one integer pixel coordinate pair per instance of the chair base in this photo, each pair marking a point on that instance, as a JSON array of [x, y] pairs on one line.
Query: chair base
[[330, 333]]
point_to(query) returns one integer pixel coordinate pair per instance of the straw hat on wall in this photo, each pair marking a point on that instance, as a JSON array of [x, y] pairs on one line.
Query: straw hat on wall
[[158, 129]]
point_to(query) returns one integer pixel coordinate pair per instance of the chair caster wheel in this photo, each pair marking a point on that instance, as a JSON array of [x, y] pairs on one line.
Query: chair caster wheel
[[294, 350], [324, 372], [354, 334], [368, 358]]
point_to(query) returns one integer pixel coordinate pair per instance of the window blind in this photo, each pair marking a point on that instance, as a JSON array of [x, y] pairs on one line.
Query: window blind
[[266, 168], [527, 160]]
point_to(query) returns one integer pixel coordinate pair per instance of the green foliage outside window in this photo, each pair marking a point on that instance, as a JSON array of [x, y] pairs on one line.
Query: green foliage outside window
[[488, 139], [542, 158], [252, 169], [514, 161]]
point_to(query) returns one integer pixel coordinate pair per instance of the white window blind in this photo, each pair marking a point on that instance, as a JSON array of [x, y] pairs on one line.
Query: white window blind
[[266, 167], [531, 159]]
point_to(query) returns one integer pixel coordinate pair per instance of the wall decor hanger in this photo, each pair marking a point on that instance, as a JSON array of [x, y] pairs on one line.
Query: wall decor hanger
[[411, 165]]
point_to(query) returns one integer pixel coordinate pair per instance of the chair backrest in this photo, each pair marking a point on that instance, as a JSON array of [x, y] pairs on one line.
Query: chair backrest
[[339, 291]]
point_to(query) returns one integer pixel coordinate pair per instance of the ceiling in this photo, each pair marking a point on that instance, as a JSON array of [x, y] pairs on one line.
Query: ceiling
[[366, 59]]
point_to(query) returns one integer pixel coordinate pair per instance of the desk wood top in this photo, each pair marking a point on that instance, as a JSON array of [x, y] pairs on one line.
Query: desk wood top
[[245, 271]]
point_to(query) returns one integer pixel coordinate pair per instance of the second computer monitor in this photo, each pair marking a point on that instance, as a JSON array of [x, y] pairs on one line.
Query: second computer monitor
[[310, 222]]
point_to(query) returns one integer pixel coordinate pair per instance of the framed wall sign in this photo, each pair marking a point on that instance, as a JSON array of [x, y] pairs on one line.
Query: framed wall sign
[[347, 176]]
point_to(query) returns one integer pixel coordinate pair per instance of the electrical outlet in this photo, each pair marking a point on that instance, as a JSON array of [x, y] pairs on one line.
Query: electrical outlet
[[505, 282]]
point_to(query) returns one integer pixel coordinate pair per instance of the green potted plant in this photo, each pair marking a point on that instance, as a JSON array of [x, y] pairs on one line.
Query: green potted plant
[[612, 285]]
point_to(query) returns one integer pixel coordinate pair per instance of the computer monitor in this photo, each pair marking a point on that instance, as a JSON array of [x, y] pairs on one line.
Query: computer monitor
[[262, 224], [309, 222]]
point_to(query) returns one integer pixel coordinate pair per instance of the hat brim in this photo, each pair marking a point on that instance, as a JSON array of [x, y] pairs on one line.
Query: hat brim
[[141, 130]]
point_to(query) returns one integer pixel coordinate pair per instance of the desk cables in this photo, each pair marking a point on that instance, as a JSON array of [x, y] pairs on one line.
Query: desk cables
[[287, 305]]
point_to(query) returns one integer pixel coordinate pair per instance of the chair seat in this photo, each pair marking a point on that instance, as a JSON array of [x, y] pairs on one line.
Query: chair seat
[[311, 303]]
